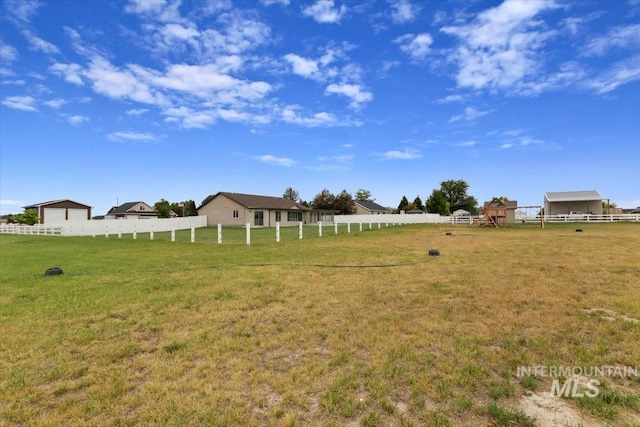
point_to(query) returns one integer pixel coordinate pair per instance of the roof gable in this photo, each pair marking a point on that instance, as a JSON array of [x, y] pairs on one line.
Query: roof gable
[[128, 208], [371, 206], [252, 201], [573, 196], [53, 202]]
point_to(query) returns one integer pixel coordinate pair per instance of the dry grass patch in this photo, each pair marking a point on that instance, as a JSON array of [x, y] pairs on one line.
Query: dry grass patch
[[359, 329]]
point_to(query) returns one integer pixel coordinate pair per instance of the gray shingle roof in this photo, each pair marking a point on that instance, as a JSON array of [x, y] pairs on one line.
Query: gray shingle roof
[[573, 196], [125, 207], [372, 206], [251, 201]]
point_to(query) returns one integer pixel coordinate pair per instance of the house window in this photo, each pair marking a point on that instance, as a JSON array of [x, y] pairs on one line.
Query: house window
[[294, 216], [236, 214], [141, 207], [278, 216]]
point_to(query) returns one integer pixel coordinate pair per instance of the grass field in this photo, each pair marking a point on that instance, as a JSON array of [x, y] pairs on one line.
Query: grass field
[[350, 329]]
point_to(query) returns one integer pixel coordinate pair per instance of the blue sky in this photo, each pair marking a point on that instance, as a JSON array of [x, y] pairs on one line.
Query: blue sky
[[115, 101]]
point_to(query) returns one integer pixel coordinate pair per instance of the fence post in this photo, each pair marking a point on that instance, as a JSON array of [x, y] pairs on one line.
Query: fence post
[[369, 225], [335, 227], [300, 230], [277, 232], [135, 232], [106, 231], [151, 233], [119, 231], [348, 227], [379, 226], [248, 233], [319, 228], [193, 234], [360, 226], [219, 234], [173, 234]]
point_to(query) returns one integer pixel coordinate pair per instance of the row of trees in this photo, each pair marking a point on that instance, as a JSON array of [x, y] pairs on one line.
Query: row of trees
[[451, 196], [164, 208]]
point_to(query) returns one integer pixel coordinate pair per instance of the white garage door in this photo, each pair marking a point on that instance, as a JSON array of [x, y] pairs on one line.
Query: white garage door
[[53, 215], [77, 214]]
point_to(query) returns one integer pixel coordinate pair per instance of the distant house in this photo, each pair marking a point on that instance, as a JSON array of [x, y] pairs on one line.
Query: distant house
[[563, 203], [416, 211], [56, 211], [370, 208], [261, 211], [131, 210]]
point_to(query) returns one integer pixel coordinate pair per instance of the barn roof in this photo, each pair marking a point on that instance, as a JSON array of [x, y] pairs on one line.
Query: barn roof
[[573, 196], [52, 202]]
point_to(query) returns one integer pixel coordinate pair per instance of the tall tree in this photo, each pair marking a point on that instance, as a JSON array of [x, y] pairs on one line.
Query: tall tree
[[323, 200], [404, 203], [417, 202], [291, 194], [437, 203], [455, 192], [344, 203], [363, 195], [163, 209], [190, 208]]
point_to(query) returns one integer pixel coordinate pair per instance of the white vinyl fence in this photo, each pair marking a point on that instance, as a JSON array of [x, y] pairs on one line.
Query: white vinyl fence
[[107, 227]]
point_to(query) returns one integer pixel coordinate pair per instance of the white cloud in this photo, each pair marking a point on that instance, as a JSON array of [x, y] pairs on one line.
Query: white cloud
[[354, 92], [302, 66], [272, 2], [289, 115], [22, 10], [506, 145], [40, 45], [161, 10], [622, 72], [137, 111], [55, 103], [407, 154], [622, 36], [403, 11], [465, 144], [76, 120], [70, 72], [416, 46], [132, 136], [190, 119], [8, 53], [501, 48], [469, 114], [325, 12], [450, 98], [24, 103], [279, 161], [236, 33]]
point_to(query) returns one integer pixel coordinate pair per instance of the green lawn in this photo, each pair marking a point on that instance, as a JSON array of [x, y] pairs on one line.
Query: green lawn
[[361, 328]]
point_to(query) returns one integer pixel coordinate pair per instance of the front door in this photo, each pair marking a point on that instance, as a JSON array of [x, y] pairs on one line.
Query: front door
[[259, 218]]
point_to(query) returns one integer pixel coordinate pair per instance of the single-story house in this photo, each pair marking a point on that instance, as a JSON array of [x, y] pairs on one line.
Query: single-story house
[[260, 211], [56, 211], [416, 211], [563, 203], [371, 208], [131, 210]]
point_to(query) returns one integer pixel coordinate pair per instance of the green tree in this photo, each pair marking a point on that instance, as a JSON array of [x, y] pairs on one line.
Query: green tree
[[29, 217], [323, 200], [363, 195], [163, 209], [291, 194], [455, 192], [404, 203], [344, 203], [417, 202], [437, 203], [190, 208]]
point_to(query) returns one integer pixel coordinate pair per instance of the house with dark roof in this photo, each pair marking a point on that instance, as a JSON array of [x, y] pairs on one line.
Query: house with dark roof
[[131, 210], [260, 211], [57, 211], [370, 208], [565, 202]]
